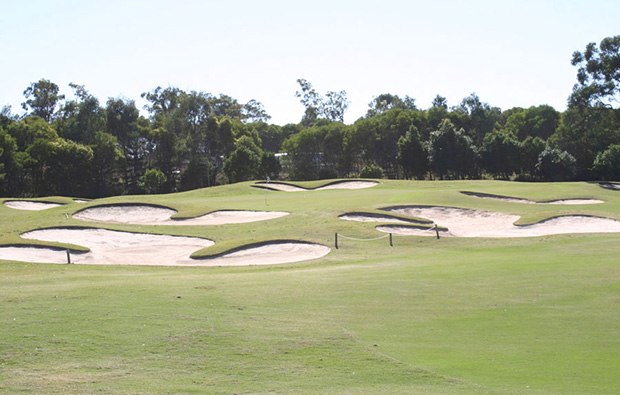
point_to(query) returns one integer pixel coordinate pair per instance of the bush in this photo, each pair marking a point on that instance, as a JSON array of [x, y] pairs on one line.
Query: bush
[[372, 171], [556, 165], [607, 163], [152, 181]]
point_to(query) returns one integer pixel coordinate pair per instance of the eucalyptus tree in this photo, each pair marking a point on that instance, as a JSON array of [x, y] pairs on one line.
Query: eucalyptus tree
[[387, 101], [42, 99], [556, 165], [412, 156], [501, 154], [607, 163], [375, 139], [123, 122], [317, 152], [452, 153], [598, 74], [80, 119], [592, 121], [482, 117], [536, 121], [332, 106]]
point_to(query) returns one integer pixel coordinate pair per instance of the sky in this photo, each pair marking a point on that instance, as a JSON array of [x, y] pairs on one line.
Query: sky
[[510, 53]]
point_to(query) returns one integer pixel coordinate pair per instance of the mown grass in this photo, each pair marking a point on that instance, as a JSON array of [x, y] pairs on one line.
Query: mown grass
[[449, 316]]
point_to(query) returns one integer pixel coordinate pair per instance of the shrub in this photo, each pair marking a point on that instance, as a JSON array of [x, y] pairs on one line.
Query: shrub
[[372, 171]]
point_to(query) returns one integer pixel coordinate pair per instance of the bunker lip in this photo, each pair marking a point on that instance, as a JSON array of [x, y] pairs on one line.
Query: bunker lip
[[32, 253], [575, 201], [344, 184], [124, 248], [610, 185], [30, 205], [112, 247], [461, 222], [151, 214], [413, 230], [376, 217], [267, 253]]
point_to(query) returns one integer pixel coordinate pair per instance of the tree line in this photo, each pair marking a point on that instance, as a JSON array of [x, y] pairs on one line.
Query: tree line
[[81, 147]]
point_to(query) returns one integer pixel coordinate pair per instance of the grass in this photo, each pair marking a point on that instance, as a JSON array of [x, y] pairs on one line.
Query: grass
[[449, 316]]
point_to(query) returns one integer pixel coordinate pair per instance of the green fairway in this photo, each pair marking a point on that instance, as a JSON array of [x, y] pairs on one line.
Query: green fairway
[[536, 315]]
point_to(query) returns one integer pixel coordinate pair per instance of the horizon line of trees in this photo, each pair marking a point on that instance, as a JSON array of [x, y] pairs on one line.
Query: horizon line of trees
[[195, 139]]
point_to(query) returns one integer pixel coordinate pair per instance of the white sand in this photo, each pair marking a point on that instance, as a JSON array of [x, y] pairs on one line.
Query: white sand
[[124, 248], [282, 187], [610, 185], [33, 254], [573, 201], [411, 230], [337, 185], [349, 185], [109, 247], [29, 205], [527, 201], [152, 215], [375, 218], [269, 254], [479, 223]]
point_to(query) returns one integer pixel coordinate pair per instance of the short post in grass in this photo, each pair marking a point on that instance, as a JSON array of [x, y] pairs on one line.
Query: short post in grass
[[336, 240], [68, 257], [391, 245], [437, 231]]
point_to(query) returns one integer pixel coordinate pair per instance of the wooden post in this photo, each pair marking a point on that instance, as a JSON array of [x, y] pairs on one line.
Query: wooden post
[[391, 245], [336, 239], [437, 231], [68, 257]]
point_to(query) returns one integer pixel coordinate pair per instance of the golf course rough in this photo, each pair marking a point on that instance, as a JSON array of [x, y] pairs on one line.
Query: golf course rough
[[458, 315]]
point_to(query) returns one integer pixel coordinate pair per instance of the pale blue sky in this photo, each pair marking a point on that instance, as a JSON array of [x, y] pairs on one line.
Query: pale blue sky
[[511, 53]]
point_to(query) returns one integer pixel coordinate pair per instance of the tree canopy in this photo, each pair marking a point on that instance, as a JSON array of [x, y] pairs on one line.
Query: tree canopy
[[192, 139]]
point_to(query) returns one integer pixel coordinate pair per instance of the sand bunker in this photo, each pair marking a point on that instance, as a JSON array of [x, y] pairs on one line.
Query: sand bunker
[[372, 217], [29, 205], [108, 247], [140, 214], [336, 185], [479, 223], [610, 185], [527, 201], [403, 230], [269, 254], [35, 254]]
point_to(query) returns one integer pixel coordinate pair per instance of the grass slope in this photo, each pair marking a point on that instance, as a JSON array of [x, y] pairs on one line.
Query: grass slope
[[450, 316]]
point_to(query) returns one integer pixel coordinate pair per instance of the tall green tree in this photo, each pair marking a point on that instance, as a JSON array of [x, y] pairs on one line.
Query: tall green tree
[[387, 101], [412, 156], [80, 119], [375, 139], [529, 152], [42, 98], [607, 163], [332, 106], [598, 75], [153, 181], [500, 153], [242, 165], [536, 121], [107, 158], [556, 165], [482, 116], [452, 153], [123, 122], [317, 152]]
